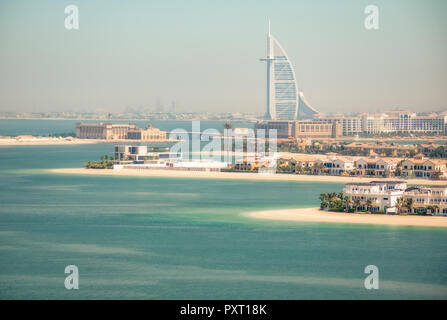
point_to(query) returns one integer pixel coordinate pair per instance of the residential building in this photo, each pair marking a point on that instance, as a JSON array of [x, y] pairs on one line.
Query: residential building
[[379, 148], [421, 167], [426, 198], [383, 194], [303, 161], [376, 166], [431, 148], [141, 154], [336, 165], [247, 165]]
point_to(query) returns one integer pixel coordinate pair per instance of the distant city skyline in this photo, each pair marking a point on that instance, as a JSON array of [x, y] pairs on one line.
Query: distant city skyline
[[203, 56]]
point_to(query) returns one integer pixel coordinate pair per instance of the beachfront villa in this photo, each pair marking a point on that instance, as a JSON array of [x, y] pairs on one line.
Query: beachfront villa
[[336, 165], [421, 167], [140, 157], [424, 197], [376, 166], [384, 196], [141, 154]]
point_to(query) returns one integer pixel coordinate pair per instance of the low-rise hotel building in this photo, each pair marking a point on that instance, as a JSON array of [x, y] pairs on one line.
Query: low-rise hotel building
[[147, 134], [396, 121], [302, 129], [103, 131], [108, 131]]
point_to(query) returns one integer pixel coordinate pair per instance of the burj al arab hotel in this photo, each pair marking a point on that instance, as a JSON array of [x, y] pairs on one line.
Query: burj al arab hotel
[[284, 102]]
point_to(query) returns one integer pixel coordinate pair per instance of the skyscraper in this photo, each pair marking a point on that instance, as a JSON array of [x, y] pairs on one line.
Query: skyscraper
[[282, 98]]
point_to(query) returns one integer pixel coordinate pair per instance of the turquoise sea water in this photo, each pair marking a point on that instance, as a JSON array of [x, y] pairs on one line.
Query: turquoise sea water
[[172, 238]]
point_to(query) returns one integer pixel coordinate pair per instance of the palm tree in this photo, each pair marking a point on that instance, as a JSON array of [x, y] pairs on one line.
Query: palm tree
[[333, 197], [400, 204], [410, 204], [432, 208], [369, 204], [357, 202], [324, 198], [347, 203]]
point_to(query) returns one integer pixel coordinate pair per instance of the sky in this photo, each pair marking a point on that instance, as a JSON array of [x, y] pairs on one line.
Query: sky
[[204, 55]]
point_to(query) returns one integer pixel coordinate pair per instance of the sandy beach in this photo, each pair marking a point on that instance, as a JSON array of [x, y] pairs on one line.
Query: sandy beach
[[316, 215], [231, 175], [43, 141]]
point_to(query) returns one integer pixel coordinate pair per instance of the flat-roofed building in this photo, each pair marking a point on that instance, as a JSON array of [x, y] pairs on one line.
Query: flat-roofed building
[[103, 131], [284, 129], [316, 129], [108, 131], [150, 134], [349, 125], [395, 121], [302, 129]]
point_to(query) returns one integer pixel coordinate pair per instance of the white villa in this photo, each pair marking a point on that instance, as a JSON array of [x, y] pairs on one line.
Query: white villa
[[384, 196], [376, 166], [336, 165], [428, 196]]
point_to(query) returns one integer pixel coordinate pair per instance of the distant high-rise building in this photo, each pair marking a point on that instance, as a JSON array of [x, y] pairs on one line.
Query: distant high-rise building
[[283, 101]]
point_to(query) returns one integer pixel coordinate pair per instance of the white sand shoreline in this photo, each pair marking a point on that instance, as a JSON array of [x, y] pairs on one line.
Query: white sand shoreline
[[231, 175], [45, 141], [317, 215]]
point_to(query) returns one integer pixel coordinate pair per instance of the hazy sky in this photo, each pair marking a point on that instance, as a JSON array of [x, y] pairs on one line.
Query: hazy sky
[[205, 54]]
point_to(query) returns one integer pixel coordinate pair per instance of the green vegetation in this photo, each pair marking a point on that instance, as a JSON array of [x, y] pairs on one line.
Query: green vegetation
[[337, 202], [63, 134], [439, 152], [105, 163]]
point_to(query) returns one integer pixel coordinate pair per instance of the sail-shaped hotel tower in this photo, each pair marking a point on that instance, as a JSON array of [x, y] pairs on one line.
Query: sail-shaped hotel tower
[[284, 102]]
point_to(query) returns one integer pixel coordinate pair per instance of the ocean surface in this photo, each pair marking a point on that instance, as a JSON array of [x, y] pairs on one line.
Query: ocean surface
[[179, 238]]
